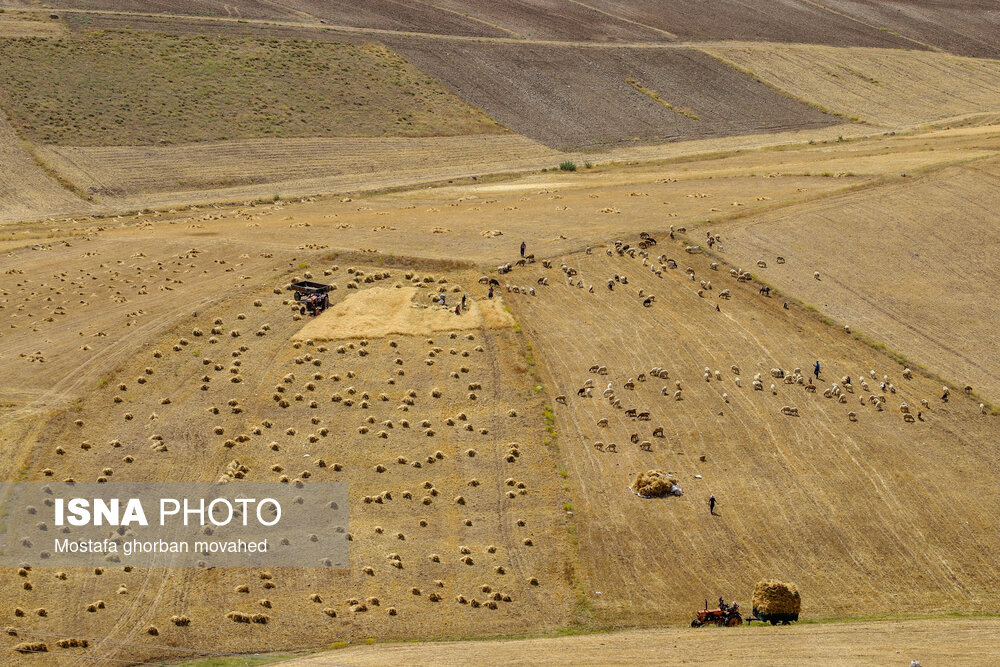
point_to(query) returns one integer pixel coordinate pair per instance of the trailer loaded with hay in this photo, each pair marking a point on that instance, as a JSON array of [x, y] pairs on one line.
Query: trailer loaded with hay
[[775, 602], [315, 297]]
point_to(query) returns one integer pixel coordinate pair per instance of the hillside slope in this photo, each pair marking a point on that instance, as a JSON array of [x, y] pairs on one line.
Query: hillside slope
[[909, 264], [873, 516]]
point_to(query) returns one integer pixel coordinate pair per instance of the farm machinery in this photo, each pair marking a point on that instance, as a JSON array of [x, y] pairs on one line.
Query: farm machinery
[[313, 297], [726, 614]]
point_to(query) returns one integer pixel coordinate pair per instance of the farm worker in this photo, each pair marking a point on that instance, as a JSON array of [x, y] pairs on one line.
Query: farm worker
[[711, 505], [463, 302], [442, 299], [491, 292], [523, 246], [458, 309], [816, 370]]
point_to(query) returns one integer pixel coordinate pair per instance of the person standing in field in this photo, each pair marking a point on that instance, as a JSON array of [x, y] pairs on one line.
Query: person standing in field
[[523, 247], [711, 504], [816, 370]]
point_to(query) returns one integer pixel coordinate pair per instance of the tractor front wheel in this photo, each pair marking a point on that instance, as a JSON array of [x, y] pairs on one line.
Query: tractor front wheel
[[695, 623]]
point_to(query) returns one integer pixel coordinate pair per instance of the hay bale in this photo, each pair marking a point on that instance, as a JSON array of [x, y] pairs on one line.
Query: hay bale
[[776, 601], [73, 642], [31, 647], [653, 484]]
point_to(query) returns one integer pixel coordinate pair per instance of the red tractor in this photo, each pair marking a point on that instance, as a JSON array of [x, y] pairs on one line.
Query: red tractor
[[727, 615]]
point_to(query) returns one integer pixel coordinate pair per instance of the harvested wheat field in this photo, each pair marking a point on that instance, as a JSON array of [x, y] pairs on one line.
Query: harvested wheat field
[[26, 190], [914, 270], [881, 87], [458, 525], [674, 364], [588, 266], [159, 176]]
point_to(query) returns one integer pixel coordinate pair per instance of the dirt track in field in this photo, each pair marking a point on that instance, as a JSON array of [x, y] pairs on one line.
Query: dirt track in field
[[939, 641]]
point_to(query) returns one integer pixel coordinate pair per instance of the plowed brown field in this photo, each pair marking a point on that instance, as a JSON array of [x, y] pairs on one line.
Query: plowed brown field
[[554, 19], [576, 97], [966, 27], [786, 21]]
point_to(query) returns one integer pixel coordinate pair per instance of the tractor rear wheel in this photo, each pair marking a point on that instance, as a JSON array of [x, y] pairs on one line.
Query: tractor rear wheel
[[733, 621]]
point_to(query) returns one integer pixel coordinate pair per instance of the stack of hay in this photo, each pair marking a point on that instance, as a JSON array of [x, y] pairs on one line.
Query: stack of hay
[[654, 484], [776, 601]]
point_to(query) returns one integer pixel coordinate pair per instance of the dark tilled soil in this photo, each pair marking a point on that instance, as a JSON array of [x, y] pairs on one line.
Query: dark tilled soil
[[397, 15], [237, 9], [965, 27], [555, 19], [771, 21], [407, 15], [579, 97]]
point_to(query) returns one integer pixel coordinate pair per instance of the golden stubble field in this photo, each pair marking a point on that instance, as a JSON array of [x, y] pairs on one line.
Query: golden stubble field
[[938, 641], [456, 519], [133, 302]]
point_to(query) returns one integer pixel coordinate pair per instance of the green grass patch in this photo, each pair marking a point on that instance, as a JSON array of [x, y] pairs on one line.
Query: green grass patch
[[105, 87], [567, 166], [550, 420]]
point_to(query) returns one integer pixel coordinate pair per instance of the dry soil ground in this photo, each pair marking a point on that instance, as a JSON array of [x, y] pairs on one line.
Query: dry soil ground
[[966, 27], [582, 97], [620, 83], [947, 642]]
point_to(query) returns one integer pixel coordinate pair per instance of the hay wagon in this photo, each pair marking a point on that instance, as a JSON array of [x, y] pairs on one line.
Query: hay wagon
[[314, 296], [775, 602]]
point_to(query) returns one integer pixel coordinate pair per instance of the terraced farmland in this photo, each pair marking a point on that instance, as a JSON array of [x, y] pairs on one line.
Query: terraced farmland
[[887, 88], [579, 97]]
